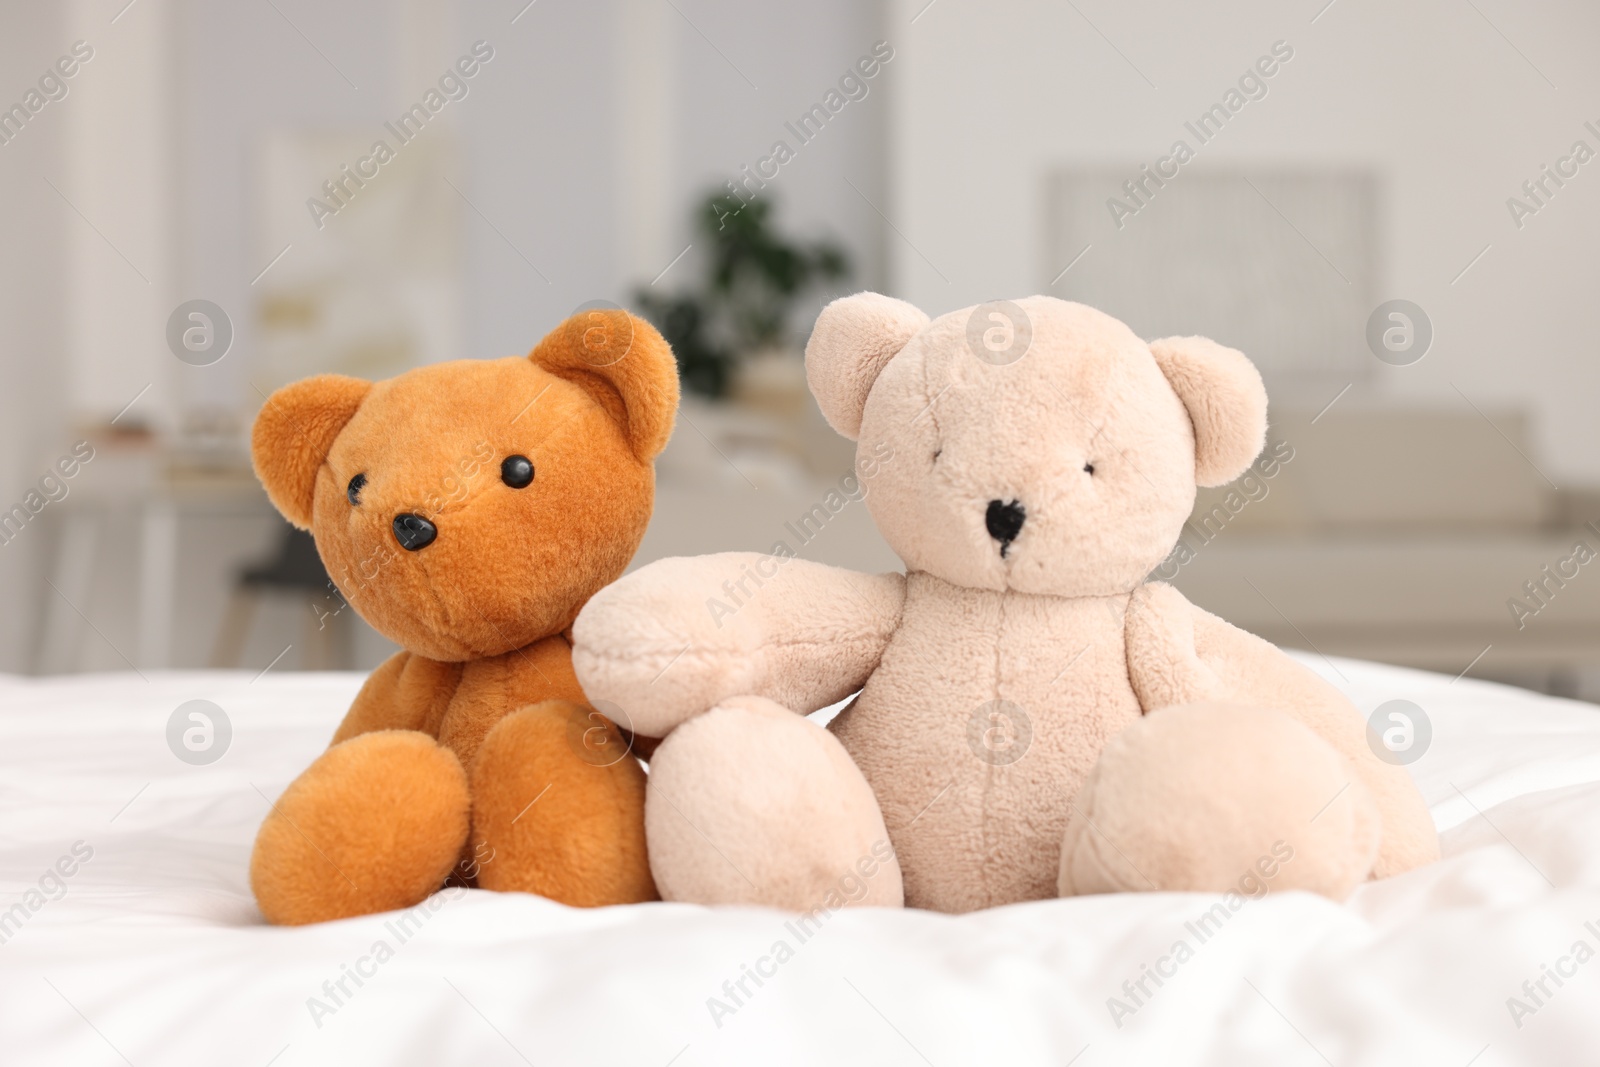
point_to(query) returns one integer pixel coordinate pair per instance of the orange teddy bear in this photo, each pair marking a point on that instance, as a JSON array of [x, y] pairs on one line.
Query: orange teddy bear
[[467, 510]]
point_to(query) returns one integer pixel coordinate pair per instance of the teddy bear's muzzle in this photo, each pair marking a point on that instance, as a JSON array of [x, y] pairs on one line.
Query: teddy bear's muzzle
[[414, 532]]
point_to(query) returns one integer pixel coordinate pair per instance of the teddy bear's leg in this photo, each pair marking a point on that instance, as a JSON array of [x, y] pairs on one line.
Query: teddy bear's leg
[[558, 808], [1218, 797], [376, 823], [751, 803]]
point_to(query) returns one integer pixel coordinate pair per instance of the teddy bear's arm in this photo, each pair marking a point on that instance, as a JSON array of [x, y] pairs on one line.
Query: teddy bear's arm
[[490, 689], [1180, 654], [406, 692], [672, 639], [1163, 664]]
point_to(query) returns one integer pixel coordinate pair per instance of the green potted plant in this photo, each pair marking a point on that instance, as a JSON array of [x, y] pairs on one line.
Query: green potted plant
[[744, 305]]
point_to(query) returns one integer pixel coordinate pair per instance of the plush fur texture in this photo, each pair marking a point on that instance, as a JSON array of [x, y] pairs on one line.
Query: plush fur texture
[[295, 429], [483, 696], [579, 840], [374, 825], [1226, 401], [1004, 725], [835, 626], [839, 369], [722, 856], [1290, 819]]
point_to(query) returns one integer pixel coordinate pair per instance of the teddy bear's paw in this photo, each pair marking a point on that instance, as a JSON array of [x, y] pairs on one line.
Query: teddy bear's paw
[[558, 808], [752, 803], [375, 824], [1219, 798]]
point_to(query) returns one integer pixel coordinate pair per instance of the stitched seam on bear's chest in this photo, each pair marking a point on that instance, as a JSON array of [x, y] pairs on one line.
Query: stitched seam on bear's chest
[[471, 712], [993, 769], [930, 408], [434, 723]]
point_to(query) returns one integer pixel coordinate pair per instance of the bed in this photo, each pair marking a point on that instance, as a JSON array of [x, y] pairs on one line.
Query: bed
[[150, 951]]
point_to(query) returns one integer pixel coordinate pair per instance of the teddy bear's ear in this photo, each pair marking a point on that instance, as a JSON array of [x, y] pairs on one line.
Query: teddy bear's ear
[[1226, 401], [293, 433], [855, 337], [625, 364]]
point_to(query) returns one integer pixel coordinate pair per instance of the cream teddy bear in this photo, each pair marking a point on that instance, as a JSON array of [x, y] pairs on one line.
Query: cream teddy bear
[[1035, 716]]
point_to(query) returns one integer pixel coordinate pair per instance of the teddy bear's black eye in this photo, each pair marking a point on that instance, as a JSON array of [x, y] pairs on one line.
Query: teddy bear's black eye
[[516, 471], [353, 490], [1088, 468]]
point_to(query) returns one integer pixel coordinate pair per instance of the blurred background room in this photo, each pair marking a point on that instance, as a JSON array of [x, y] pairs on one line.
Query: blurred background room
[[1385, 207]]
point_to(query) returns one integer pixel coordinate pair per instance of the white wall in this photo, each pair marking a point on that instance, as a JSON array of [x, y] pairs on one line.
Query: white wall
[[33, 333], [1428, 94], [794, 54], [587, 171], [609, 119]]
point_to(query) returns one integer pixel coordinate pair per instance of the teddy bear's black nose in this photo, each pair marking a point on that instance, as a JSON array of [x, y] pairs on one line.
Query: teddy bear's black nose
[[1004, 522], [414, 532]]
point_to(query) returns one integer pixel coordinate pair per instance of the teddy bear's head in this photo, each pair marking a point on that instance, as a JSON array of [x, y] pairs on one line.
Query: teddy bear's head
[[1036, 445], [469, 508]]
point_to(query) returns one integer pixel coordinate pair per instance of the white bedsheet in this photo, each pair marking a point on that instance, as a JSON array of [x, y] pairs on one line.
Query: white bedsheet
[[155, 953]]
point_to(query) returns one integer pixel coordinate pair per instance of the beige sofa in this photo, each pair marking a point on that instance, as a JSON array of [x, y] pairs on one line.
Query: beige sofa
[[1416, 537]]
